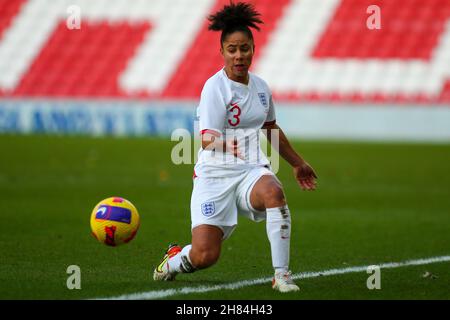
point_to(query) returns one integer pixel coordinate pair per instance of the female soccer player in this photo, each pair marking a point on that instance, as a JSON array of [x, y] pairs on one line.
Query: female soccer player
[[232, 174]]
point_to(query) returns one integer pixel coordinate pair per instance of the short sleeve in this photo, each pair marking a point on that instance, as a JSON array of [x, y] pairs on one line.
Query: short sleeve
[[212, 108], [271, 118]]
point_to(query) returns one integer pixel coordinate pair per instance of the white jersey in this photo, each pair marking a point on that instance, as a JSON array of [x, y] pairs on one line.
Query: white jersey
[[233, 110]]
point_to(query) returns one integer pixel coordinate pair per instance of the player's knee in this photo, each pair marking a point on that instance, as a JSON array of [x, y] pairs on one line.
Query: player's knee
[[274, 196], [205, 258]]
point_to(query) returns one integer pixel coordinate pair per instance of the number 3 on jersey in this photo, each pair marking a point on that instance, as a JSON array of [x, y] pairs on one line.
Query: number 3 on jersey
[[235, 113]]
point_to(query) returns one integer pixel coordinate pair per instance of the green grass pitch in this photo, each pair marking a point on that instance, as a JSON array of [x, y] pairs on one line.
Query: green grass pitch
[[375, 203]]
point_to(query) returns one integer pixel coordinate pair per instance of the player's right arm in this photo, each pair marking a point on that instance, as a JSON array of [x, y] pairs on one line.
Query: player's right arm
[[212, 141], [212, 116]]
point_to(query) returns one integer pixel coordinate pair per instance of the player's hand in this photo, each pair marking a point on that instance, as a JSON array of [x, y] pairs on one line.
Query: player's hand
[[233, 148], [306, 177]]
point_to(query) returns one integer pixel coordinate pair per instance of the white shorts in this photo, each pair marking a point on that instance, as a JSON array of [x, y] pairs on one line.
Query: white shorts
[[218, 201]]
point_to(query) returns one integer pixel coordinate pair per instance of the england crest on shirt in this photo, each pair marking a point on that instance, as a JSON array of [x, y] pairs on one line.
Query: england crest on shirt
[[263, 100], [208, 209]]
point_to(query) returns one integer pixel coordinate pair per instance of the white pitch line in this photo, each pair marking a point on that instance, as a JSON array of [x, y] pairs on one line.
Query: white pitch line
[[158, 294]]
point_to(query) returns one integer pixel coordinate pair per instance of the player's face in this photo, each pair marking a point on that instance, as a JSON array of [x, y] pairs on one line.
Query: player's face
[[237, 51]]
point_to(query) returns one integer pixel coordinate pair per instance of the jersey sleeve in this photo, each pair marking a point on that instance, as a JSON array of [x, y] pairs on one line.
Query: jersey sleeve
[[271, 118], [212, 109]]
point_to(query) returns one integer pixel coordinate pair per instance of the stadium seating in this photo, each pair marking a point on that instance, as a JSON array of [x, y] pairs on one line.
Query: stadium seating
[[308, 51], [76, 64]]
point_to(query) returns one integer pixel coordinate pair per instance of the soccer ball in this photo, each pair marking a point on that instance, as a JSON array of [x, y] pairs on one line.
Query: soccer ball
[[114, 221]]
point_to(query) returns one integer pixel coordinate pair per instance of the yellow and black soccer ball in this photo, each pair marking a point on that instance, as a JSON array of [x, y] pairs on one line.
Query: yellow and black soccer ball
[[114, 221]]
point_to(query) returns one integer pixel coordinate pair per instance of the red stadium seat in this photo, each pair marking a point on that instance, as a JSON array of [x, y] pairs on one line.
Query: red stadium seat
[[92, 62]]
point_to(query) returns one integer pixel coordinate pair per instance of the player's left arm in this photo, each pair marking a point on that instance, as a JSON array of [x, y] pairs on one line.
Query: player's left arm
[[303, 172]]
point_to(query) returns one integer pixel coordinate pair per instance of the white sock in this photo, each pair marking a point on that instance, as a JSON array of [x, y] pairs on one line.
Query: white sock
[[181, 262], [278, 226]]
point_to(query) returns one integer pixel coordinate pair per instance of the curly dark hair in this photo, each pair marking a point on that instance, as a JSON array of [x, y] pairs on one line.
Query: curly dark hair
[[234, 17]]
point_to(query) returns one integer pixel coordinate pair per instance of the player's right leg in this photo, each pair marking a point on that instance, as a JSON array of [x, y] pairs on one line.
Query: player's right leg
[[202, 253], [163, 272], [214, 217], [206, 245]]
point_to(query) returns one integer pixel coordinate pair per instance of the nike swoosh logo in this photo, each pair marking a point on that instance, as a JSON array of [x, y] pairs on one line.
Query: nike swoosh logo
[[102, 210], [159, 268]]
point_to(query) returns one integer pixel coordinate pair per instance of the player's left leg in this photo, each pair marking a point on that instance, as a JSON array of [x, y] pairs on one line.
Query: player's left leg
[[267, 194]]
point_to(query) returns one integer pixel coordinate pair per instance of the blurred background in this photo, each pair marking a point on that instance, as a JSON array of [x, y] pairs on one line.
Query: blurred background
[[337, 68]]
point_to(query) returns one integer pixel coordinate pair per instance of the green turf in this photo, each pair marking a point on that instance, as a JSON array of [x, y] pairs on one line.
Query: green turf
[[375, 203]]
